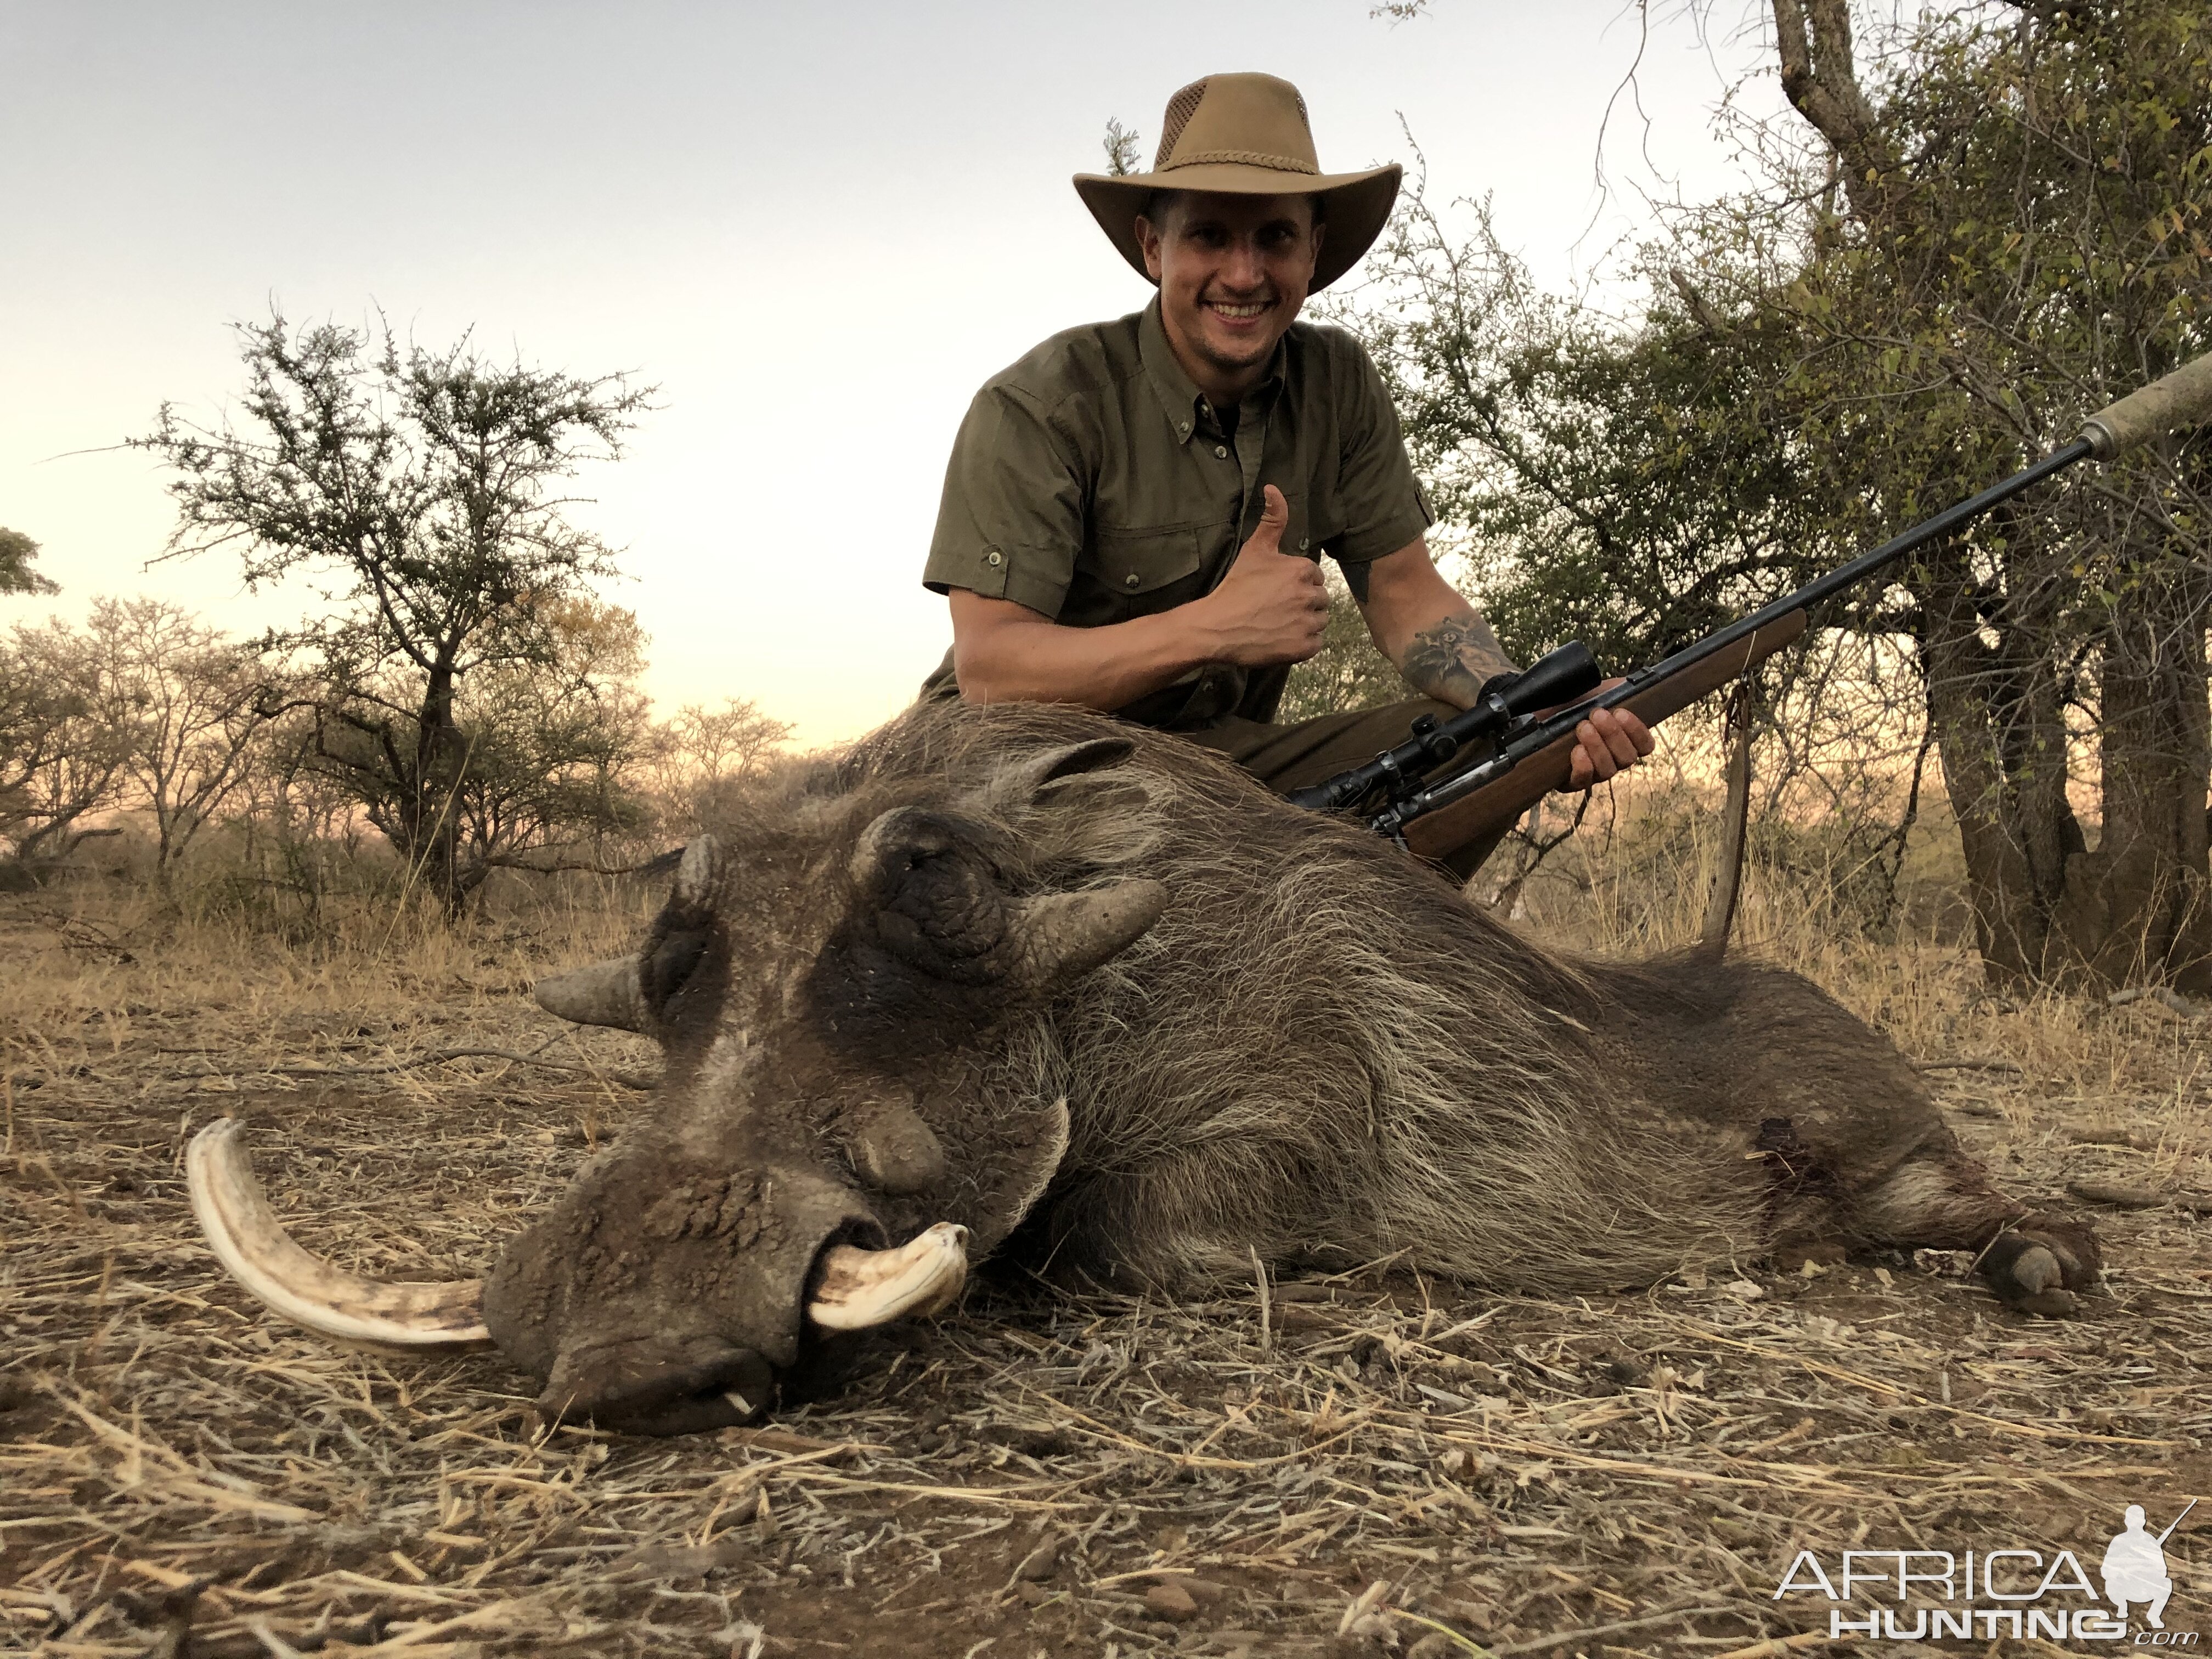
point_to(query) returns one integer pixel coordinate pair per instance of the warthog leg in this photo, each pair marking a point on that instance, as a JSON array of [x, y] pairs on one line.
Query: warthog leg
[[1942, 1200], [2038, 1262]]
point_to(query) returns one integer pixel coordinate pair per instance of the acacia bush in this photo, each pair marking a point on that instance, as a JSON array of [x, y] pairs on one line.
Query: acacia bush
[[212, 769], [427, 490], [65, 743]]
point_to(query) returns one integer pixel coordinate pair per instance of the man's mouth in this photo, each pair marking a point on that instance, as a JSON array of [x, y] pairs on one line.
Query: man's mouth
[[1239, 311]]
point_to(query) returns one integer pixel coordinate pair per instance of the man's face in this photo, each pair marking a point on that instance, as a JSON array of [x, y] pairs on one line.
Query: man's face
[[1233, 272]]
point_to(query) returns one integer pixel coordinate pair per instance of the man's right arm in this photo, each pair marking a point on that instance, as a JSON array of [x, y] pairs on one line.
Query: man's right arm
[[1003, 652], [1270, 607]]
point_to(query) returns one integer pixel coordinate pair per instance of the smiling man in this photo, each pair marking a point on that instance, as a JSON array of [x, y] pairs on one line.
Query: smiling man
[[1134, 514]]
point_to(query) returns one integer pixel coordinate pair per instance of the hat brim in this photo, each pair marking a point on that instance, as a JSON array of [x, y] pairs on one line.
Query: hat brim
[[1358, 207]]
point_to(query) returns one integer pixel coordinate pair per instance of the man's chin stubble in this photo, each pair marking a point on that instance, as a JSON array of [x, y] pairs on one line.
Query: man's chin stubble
[[1228, 356]]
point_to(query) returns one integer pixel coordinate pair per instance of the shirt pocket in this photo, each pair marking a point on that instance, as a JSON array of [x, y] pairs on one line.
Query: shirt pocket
[[1138, 564], [1315, 523], [1300, 535]]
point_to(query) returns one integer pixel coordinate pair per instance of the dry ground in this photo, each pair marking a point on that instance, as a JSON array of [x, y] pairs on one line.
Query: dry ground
[[1373, 1464]]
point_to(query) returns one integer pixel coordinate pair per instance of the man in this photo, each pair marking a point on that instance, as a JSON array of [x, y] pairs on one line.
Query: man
[[1134, 512]]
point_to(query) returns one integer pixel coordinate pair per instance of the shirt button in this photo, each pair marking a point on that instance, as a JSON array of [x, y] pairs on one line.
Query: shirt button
[[1220, 451], [1183, 427], [1130, 580], [994, 557], [1305, 542]]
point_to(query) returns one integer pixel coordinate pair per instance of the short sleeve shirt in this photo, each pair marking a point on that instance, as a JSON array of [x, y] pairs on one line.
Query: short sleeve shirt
[[1093, 483]]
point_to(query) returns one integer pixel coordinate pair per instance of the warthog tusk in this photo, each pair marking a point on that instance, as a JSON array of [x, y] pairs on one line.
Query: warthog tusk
[[245, 1232], [861, 1289]]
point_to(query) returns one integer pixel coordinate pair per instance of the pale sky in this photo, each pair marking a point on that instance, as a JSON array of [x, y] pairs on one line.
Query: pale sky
[[817, 228]]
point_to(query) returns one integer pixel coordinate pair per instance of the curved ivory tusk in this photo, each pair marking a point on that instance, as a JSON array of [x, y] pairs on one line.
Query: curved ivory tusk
[[861, 1289], [245, 1232]]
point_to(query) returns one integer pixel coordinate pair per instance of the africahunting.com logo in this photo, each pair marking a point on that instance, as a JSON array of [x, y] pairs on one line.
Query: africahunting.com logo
[[1981, 1596]]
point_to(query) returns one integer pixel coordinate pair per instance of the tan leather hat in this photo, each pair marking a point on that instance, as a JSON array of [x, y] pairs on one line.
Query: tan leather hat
[[1247, 134]]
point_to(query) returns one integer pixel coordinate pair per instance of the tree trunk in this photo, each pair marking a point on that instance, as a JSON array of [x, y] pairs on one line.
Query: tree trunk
[[1812, 41], [2047, 908], [1735, 823], [439, 764], [1999, 725], [2136, 909]]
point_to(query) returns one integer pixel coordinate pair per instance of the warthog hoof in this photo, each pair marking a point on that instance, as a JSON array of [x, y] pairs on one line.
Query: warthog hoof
[[2037, 1265]]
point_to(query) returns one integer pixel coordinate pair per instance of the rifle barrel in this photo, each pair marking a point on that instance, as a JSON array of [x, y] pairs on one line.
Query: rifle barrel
[[1392, 820], [1947, 522], [2177, 1519]]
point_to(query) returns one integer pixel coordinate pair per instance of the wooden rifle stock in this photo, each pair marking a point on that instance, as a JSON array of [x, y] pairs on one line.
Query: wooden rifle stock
[[1493, 809]]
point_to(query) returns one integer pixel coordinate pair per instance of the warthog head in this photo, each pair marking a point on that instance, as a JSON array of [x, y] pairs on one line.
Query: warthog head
[[831, 984]]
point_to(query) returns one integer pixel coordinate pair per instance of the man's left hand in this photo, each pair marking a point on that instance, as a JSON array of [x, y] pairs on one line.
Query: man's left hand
[[1606, 742]]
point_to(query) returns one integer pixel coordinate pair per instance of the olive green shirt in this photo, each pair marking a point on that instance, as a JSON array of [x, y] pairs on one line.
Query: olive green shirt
[[1093, 483]]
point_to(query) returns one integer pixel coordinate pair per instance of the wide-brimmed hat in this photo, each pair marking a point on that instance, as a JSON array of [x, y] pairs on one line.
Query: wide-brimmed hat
[[1247, 134]]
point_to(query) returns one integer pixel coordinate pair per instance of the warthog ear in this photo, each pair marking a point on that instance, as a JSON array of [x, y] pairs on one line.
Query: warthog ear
[[684, 934], [624, 992], [1029, 775], [1065, 935], [697, 874], [604, 994], [1077, 809]]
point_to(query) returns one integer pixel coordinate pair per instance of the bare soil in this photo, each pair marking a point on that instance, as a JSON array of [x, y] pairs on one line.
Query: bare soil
[[1377, 1463]]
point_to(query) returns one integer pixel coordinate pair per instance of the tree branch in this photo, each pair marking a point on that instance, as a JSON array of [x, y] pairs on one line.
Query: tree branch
[[1813, 42]]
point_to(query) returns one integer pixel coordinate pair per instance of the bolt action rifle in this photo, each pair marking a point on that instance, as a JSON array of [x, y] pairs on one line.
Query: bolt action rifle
[[1534, 749]]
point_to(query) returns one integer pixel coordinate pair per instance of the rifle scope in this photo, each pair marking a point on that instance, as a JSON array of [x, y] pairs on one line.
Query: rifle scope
[[1560, 677]]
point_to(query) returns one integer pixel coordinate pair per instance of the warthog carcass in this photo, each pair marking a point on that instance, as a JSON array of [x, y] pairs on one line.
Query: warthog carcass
[[1020, 979]]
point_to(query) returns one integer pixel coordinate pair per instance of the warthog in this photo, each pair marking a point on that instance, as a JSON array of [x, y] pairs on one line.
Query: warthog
[[1019, 979]]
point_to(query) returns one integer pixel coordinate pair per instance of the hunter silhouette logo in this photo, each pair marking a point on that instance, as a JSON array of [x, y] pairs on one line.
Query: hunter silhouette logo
[[1985, 1593], [2135, 1567]]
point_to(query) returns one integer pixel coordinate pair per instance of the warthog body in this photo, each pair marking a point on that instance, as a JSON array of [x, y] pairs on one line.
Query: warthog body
[[1092, 994], [1300, 1044]]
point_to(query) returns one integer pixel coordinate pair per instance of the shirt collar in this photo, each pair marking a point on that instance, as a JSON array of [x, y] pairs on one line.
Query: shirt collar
[[1179, 395]]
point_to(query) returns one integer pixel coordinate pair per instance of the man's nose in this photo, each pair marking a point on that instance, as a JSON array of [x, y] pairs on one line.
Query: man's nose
[[1244, 268]]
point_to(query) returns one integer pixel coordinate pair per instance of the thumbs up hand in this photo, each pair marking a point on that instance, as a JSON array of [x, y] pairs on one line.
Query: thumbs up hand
[[1272, 606]]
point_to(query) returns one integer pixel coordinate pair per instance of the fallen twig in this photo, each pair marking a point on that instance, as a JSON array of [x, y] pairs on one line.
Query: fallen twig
[[1776, 1646], [626, 1080], [1543, 1644]]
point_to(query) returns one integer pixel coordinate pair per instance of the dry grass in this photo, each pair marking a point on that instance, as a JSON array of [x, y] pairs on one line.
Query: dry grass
[[1375, 1463]]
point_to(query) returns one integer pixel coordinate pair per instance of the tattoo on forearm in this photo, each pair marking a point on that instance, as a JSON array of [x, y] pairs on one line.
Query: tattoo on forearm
[[1450, 661]]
